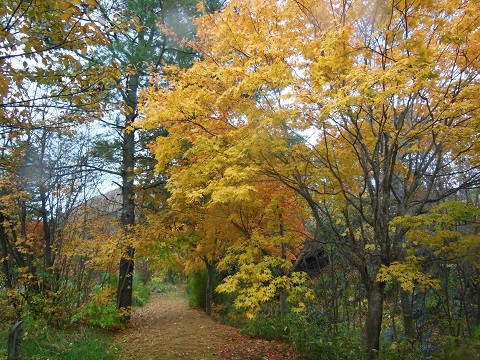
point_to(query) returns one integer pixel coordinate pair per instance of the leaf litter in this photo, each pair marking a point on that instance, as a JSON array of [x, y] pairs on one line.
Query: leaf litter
[[167, 329]]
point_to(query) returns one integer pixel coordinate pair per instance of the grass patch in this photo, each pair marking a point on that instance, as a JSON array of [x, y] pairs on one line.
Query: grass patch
[[42, 342], [159, 286]]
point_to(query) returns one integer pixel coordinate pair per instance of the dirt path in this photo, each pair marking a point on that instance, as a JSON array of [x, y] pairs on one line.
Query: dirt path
[[166, 329]]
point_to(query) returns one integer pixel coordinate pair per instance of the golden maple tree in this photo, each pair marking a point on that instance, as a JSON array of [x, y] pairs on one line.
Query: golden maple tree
[[367, 110]]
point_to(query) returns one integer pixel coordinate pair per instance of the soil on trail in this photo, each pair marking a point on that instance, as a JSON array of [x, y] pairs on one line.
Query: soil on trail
[[167, 329]]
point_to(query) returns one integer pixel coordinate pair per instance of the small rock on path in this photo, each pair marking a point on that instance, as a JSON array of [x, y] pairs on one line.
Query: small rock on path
[[167, 329]]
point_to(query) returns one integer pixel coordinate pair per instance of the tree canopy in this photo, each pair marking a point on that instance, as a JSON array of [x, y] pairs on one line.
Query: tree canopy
[[316, 162], [367, 110]]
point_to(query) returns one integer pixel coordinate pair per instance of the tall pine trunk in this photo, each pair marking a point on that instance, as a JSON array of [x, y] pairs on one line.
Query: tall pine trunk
[[126, 267]]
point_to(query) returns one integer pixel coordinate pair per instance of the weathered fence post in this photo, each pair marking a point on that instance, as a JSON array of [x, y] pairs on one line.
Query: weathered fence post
[[15, 338]]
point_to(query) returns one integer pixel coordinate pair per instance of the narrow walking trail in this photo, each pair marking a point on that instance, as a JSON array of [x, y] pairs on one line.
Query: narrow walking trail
[[167, 329]]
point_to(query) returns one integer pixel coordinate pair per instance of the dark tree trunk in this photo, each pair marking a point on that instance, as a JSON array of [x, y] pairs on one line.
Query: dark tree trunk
[[5, 262], [29, 259], [373, 322], [407, 311], [125, 278], [283, 292], [125, 282], [477, 290], [47, 236], [209, 288]]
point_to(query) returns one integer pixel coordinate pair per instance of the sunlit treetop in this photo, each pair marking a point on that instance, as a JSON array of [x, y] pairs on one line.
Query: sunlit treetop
[[272, 70]]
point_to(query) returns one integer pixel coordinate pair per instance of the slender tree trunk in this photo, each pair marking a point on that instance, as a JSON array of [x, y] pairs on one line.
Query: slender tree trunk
[[373, 322], [477, 291], [209, 288], [334, 300], [29, 259], [47, 238], [5, 262], [283, 292]]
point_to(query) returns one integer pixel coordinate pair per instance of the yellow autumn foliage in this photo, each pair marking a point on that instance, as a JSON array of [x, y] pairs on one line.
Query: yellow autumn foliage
[[366, 110]]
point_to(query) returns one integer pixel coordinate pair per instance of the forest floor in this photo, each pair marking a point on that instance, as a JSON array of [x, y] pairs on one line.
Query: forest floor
[[167, 329]]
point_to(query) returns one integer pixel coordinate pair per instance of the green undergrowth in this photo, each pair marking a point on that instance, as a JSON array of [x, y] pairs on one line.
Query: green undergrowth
[[86, 334], [44, 342], [101, 311], [160, 286], [312, 339], [141, 293], [196, 291]]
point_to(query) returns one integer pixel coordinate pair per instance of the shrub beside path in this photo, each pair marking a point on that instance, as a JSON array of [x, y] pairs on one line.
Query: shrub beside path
[[167, 329]]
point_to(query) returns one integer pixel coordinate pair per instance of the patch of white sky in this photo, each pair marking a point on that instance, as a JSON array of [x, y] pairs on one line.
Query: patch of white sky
[[33, 95], [288, 98], [49, 113]]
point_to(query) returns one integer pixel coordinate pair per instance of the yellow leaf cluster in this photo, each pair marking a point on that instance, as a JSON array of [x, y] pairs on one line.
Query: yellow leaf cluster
[[449, 229], [255, 284], [408, 274]]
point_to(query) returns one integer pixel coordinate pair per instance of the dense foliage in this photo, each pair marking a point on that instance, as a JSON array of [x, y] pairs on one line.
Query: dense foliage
[[312, 166], [356, 124]]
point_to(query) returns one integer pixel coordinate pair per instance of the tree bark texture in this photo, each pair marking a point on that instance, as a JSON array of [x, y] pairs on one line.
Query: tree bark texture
[[4, 247], [209, 288], [373, 322], [126, 267], [407, 310]]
